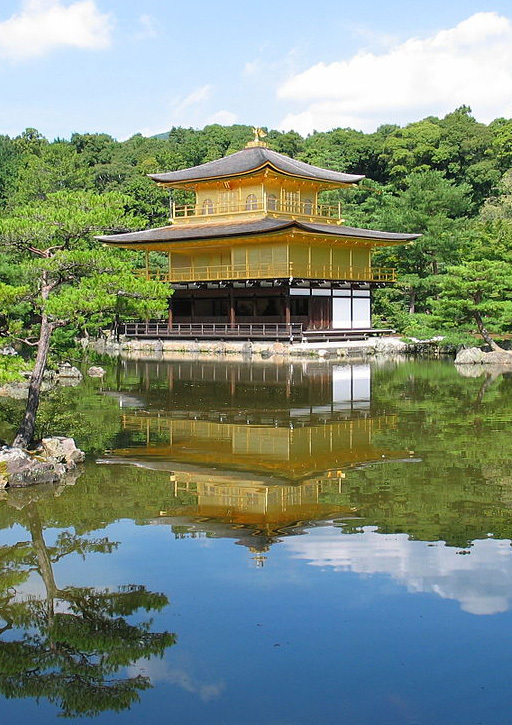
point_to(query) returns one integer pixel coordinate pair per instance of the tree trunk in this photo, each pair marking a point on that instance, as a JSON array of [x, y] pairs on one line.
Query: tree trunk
[[489, 379], [486, 335], [43, 558], [412, 300], [26, 430]]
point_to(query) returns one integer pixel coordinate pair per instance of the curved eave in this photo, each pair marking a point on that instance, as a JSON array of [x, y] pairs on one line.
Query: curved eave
[[191, 182], [170, 235]]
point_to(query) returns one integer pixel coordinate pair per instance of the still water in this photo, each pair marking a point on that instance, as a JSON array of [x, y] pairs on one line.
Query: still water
[[248, 543]]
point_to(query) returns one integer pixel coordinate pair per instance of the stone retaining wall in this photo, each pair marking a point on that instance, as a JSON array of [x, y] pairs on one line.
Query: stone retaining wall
[[204, 349]]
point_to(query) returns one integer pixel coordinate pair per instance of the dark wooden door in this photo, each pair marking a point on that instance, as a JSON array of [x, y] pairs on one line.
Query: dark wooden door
[[319, 313]]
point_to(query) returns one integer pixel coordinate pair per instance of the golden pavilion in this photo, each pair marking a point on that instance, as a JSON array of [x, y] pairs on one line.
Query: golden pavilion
[[257, 254]]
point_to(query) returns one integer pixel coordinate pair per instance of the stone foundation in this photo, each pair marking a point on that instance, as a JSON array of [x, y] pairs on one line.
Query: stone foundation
[[208, 350]]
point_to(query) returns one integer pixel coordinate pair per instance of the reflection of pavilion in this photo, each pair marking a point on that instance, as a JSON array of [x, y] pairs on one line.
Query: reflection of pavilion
[[244, 392], [261, 482], [254, 451], [287, 452]]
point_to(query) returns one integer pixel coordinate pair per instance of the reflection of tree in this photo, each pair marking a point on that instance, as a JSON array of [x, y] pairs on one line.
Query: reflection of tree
[[75, 640]]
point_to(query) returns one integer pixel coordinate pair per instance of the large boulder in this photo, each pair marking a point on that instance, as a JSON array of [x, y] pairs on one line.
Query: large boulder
[[48, 464], [18, 468], [498, 357], [389, 345], [63, 450], [475, 356], [470, 356], [95, 371], [68, 372]]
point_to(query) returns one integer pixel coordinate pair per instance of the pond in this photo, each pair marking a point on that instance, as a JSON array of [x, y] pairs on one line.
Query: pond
[[279, 543]]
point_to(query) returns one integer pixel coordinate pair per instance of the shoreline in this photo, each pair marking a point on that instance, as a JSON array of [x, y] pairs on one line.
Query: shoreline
[[342, 351]]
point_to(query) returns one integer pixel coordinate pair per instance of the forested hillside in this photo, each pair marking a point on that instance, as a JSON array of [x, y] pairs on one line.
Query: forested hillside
[[449, 179]]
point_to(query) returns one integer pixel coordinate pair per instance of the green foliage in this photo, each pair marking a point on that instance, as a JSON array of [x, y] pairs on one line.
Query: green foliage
[[89, 285], [442, 177], [11, 368], [9, 159], [477, 292]]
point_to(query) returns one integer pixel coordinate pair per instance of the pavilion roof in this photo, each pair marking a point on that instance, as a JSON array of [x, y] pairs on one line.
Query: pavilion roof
[[188, 232], [250, 160]]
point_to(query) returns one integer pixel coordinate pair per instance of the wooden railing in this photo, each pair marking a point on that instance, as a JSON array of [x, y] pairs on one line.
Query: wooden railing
[[247, 331], [307, 210], [225, 272]]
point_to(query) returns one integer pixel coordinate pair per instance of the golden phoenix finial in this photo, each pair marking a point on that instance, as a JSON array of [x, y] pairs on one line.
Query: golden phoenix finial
[[259, 134]]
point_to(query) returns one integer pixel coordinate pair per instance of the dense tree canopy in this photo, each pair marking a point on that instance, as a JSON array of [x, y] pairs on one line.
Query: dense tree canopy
[[63, 278], [447, 178]]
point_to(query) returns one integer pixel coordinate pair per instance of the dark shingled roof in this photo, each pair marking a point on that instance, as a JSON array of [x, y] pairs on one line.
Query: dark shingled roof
[[249, 160], [185, 232]]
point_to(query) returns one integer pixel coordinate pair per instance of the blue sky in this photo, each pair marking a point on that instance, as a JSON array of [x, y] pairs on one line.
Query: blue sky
[[122, 67]]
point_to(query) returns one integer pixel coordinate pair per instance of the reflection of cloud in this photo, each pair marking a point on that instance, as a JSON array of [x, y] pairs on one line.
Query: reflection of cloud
[[481, 581], [43, 25], [159, 671], [470, 63]]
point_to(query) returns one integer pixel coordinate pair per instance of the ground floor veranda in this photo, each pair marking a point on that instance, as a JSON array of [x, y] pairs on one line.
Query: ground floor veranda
[[273, 309], [314, 306]]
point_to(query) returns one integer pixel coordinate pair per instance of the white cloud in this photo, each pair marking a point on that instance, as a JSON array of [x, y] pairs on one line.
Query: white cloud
[[44, 25], [148, 27], [194, 109], [194, 98], [225, 118], [469, 64], [252, 67]]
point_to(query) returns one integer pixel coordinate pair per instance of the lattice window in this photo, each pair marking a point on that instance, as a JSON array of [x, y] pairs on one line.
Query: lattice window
[[207, 207], [291, 201], [251, 203], [271, 202], [227, 201]]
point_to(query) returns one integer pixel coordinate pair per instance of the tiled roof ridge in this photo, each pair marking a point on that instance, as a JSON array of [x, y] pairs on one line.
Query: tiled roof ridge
[[254, 158], [176, 233]]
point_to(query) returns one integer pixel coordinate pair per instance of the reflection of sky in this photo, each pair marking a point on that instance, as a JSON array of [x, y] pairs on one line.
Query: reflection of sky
[[480, 581], [158, 670]]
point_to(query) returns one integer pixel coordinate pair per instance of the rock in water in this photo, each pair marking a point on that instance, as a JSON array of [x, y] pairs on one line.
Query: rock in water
[[63, 450], [470, 356], [48, 464], [18, 468], [69, 371], [95, 371], [473, 355]]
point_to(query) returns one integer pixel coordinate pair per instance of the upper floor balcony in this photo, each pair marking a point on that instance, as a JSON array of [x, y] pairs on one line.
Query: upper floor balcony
[[252, 206], [284, 270]]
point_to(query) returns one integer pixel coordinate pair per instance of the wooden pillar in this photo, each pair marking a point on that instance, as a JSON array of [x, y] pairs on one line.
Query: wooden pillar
[[231, 308], [169, 319], [147, 264], [287, 309]]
